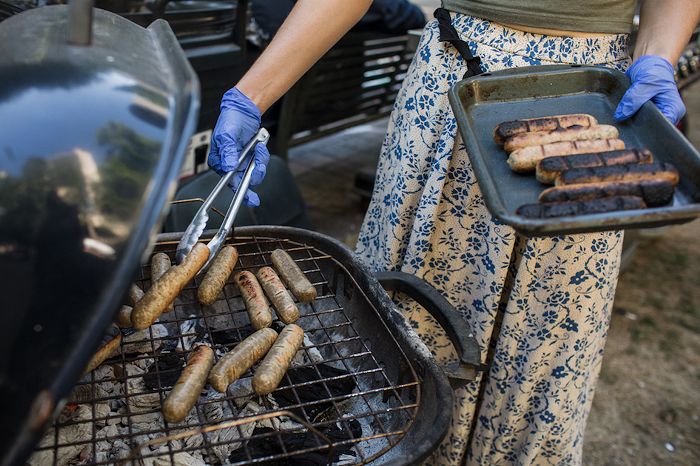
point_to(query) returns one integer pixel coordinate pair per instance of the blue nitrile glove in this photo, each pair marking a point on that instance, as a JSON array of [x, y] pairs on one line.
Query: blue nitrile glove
[[238, 123], [652, 79]]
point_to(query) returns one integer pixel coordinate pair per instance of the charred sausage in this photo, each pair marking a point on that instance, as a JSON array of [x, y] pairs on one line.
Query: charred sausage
[[576, 133], [278, 295], [525, 159], [654, 192], [621, 173], [165, 290], [271, 370], [509, 129], [292, 275], [549, 168], [188, 387], [241, 358], [160, 262], [217, 275], [595, 206], [254, 299]]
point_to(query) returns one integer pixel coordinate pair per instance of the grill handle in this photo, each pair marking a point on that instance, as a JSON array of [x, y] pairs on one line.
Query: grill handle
[[457, 329]]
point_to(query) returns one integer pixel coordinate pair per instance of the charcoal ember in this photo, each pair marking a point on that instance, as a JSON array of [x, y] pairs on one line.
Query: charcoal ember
[[341, 384], [295, 441], [167, 368], [228, 336]]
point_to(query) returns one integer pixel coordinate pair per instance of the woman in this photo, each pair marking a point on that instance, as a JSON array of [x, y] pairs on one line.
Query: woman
[[539, 307]]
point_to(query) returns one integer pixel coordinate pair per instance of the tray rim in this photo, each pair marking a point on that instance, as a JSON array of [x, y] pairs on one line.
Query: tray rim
[[641, 218]]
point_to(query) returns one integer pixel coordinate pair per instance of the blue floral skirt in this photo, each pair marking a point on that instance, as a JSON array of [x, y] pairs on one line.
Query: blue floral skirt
[[539, 307]]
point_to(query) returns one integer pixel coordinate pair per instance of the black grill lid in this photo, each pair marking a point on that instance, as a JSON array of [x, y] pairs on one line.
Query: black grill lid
[[92, 139]]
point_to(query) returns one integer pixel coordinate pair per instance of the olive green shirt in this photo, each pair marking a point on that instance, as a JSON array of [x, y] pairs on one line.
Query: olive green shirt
[[602, 16]]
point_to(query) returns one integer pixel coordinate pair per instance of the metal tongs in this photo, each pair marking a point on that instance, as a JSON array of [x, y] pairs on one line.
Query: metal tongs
[[196, 227]]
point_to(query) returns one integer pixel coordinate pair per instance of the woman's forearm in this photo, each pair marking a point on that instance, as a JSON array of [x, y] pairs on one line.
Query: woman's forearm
[[665, 27], [309, 31]]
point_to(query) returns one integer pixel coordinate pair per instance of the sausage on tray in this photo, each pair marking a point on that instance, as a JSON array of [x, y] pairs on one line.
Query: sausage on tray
[[576, 133], [214, 280], [241, 358], [289, 271], [595, 206], [271, 370], [278, 295], [160, 262], [549, 168], [166, 289], [628, 172], [254, 299], [508, 129], [654, 192], [525, 159], [189, 386], [104, 353]]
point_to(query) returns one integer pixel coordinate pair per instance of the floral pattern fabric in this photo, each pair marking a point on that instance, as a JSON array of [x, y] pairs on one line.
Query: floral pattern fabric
[[539, 307]]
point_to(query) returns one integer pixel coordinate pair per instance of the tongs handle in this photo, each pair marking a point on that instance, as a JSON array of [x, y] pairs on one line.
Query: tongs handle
[[199, 221]]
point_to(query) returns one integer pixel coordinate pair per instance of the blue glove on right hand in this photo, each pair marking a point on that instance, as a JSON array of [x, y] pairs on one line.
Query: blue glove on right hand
[[238, 123], [652, 79]]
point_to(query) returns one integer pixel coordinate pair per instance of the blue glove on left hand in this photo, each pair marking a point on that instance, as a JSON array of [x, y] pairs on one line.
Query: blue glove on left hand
[[652, 79], [238, 123]]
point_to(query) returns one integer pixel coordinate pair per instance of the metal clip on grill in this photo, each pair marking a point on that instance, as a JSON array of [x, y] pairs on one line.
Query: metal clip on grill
[[196, 227]]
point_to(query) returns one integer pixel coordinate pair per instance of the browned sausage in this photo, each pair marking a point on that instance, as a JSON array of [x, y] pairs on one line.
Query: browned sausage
[[278, 295], [241, 358], [189, 386], [104, 353], [254, 299], [595, 206], [271, 370], [629, 172], [549, 168], [135, 293], [214, 280], [289, 271], [165, 290], [576, 133], [509, 129], [654, 192], [525, 159], [160, 262], [124, 317]]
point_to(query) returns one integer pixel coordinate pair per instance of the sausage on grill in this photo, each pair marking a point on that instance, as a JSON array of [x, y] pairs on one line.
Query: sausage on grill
[[654, 192], [166, 289], [188, 387], [508, 129], [271, 370], [278, 295], [135, 293], [254, 299], [124, 317], [525, 159], [595, 206], [241, 358], [575, 133], [292, 275], [628, 172], [214, 280], [160, 262], [104, 353], [549, 168]]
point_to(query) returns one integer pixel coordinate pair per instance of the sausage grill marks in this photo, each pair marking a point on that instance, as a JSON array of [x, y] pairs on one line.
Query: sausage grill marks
[[278, 295], [254, 299], [188, 387], [271, 370], [589, 165]]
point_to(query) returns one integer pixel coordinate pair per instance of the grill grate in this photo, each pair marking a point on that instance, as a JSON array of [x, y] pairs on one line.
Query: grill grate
[[340, 397]]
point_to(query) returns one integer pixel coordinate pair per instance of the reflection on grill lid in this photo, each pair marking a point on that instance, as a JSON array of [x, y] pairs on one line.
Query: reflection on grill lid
[[92, 139]]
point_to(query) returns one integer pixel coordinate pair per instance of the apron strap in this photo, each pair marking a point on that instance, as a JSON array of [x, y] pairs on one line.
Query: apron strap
[[449, 34]]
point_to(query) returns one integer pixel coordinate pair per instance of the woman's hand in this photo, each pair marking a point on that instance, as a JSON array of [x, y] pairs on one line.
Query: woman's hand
[[238, 123]]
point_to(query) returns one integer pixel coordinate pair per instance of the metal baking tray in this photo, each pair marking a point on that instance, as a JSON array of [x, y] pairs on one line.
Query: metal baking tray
[[482, 102]]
